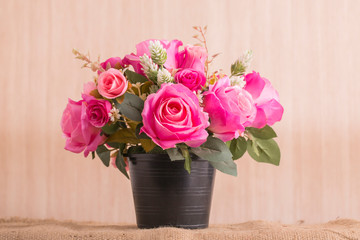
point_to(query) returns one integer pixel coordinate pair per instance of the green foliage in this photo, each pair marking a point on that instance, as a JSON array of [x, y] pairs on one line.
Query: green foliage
[[238, 68], [140, 135], [121, 165], [225, 167], [124, 135], [134, 77], [186, 154], [145, 87], [92, 155], [181, 152], [121, 122], [144, 139], [147, 144], [263, 133], [237, 147], [135, 150], [174, 154], [213, 150], [104, 154], [110, 128], [264, 150], [157, 149], [219, 155], [131, 107]]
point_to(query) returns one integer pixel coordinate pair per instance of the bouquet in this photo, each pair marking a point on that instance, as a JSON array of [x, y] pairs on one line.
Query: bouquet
[[165, 100]]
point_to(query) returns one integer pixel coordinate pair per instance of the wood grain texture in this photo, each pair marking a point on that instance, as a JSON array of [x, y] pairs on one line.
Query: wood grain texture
[[308, 49]]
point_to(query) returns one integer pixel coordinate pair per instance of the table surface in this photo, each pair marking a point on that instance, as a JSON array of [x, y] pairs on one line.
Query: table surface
[[17, 228]]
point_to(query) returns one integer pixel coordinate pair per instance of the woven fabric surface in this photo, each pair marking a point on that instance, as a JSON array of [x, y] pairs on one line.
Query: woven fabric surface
[[19, 229]]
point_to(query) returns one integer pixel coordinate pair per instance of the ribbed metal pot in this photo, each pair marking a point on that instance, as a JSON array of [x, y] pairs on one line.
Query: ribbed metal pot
[[166, 195]]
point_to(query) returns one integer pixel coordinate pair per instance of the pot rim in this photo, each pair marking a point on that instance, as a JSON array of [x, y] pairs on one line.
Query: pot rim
[[157, 157]]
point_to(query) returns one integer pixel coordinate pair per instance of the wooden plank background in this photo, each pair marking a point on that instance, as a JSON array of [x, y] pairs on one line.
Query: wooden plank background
[[308, 49]]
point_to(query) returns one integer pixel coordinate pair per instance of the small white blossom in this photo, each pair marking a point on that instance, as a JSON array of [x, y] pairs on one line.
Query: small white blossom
[[164, 76], [158, 52], [149, 67], [238, 81], [114, 114]]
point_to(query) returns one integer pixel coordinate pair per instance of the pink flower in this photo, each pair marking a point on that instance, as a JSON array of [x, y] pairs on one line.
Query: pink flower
[[97, 110], [112, 83], [89, 87], [80, 134], [173, 115], [191, 78], [230, 108], [266, 99], [143, 48], [114, 62], [192, 57]]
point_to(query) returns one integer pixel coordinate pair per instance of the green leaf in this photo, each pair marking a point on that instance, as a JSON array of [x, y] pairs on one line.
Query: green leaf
[[92, 155], [124, 135], [104, 154], [186, 154], [157, 149], [264, 150], [238, 147], [134, 77], [264, 133], [121, 165], [147, 144], [131, 107], [145, 87], [219, 155], [110, 128], [225, 167], [213, 150], [140, 135], [237, 68], [135, 150], [174, 154]]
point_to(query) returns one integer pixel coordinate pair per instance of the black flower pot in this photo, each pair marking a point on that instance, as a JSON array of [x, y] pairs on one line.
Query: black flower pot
[[165, 194]]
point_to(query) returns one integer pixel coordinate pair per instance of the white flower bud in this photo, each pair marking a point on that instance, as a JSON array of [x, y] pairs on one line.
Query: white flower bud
[[149, 68], [158, 52], [164, 76]]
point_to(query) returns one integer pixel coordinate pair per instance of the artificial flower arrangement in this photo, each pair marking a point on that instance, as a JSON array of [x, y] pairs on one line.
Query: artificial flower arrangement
[[163, 99]]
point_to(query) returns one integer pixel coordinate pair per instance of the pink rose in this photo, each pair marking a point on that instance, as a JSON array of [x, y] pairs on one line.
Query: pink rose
[[143, 48], [191, 78], [89, 87], [192, 57], [266, 99], [173, 115], [112, 84], [80, 134], [114, 62], [230, 108], [97, 110]]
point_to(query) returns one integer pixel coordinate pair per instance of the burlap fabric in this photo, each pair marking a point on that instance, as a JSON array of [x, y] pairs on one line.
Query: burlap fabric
[[28, 229]]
